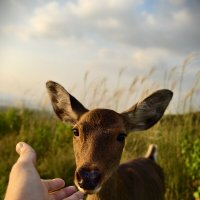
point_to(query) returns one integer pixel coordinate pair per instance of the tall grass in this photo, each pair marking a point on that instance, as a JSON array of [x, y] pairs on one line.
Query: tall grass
[[52, 140], [119, 97]]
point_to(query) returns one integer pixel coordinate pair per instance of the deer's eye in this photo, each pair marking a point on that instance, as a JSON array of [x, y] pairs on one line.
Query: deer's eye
[[121, 137], [75, 131]]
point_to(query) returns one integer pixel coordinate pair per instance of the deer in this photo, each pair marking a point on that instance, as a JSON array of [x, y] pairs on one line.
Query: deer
[[98, 142]]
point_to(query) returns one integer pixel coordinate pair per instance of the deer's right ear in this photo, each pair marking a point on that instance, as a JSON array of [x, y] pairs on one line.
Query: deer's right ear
[[145, 114], [67, 108]]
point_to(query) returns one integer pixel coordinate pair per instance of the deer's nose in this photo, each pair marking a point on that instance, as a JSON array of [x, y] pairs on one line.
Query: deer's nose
[[88, 179]]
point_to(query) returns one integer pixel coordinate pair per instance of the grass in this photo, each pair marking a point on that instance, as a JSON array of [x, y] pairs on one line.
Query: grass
[[169, 134], [53, 143], [175, 135], [51, 139]]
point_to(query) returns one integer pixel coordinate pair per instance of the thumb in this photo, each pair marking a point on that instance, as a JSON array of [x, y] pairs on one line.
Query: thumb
[[26, 153]]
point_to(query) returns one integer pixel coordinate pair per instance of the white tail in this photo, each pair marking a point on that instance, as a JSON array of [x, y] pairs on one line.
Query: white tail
[[99, 138], [152, 152]]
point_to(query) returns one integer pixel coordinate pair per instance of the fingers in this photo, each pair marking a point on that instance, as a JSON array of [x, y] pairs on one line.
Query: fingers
[[76, 196], [68, 193], [54, 184], [26, 153]]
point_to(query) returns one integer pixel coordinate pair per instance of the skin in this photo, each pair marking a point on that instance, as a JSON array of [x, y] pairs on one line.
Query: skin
[[25, 182]]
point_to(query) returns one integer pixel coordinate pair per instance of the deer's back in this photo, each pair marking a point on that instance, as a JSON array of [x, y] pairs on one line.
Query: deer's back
[[141, 179]]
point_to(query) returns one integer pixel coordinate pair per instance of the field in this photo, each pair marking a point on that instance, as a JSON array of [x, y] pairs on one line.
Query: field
[[176, 135]]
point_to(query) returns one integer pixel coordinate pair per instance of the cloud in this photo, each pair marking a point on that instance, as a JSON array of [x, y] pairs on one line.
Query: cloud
[[123, 21], [182, 16], [96, 8], [117, 33], [177, 2], [144, 58]]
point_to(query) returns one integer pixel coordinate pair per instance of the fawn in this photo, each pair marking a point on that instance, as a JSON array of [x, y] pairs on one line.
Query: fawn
[[99, 139]]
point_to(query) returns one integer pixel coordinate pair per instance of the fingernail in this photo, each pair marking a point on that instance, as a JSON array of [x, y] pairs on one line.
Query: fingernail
[[19, 147]]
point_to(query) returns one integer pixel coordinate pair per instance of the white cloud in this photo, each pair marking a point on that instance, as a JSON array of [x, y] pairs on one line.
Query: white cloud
[[182, 17], [177, 2], [94, 8], [122, 21], [109, 23], [72, 19], [151, 20], [103, 53], [146, 58], [112, 34]]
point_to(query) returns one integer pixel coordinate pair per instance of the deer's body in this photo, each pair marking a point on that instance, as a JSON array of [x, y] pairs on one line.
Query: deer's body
[[139, 179], [99, 139]]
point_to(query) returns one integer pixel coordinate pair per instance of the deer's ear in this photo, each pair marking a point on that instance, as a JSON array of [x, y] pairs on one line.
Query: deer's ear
[[67, 108], [145, 114]]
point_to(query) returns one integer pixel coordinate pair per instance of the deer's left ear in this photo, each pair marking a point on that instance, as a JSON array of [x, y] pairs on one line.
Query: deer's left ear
[[67, 107], [145, 114]]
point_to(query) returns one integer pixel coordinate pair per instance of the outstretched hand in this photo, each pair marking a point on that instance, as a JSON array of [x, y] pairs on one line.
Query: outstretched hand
[[25, 182]]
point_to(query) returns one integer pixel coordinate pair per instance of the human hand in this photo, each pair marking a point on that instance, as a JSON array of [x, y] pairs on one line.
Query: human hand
[[25, 182]]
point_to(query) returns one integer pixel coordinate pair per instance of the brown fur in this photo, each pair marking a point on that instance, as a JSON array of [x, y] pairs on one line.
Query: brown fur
[[139, 179], [98, 147]]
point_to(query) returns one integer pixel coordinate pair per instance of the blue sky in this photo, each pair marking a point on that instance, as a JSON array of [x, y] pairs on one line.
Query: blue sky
[[63, 40]]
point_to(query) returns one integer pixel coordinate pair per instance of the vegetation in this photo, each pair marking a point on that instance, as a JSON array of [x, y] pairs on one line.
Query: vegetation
[[177, 136], [51, 139]]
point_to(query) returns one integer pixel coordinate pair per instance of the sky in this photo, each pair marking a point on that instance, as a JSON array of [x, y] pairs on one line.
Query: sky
[[110, 43]]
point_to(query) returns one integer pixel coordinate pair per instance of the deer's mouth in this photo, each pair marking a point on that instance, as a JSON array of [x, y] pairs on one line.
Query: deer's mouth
[[87, 190]]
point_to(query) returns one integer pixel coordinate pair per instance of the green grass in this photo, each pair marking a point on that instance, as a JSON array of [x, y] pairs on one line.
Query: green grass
[[52, 141], [169, 135]]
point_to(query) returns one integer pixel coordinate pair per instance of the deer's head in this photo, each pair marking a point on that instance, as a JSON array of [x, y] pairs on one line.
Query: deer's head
[[99, 134]]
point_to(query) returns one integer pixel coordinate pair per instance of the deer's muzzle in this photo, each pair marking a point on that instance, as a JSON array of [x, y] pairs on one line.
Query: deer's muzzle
[[88, 180]]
